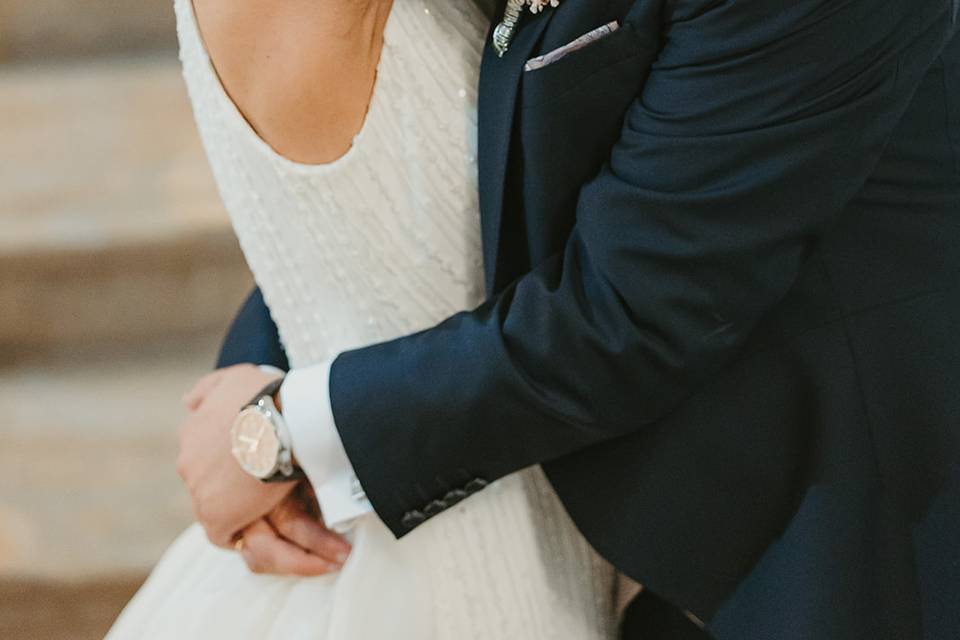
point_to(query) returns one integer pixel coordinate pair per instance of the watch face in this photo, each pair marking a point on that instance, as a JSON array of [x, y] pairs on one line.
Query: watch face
[[255, 443]]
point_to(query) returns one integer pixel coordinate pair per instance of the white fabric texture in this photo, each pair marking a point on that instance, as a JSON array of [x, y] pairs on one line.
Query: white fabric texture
[[380, 243]]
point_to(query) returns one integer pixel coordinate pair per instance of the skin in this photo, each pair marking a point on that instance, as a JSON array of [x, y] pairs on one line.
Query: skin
[[278, 62], [281, 529]]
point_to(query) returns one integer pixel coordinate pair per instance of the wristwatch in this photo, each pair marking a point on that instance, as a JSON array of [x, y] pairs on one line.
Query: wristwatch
[[261, 440]]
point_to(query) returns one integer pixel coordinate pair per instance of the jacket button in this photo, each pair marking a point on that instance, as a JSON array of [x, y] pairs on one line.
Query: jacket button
[[454, 496], [475, 485], [412, 518], [434, 508]]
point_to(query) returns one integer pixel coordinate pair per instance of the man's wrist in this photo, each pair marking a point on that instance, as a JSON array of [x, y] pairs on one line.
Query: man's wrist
[[279, 406], [267, 401], [279, 373], [276, 401]]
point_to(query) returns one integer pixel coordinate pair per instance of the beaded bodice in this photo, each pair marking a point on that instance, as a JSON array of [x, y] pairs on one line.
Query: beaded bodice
[[383, 242], [386, 239]]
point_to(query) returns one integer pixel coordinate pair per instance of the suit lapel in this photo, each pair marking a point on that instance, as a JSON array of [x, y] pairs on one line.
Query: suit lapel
[[499, 84]]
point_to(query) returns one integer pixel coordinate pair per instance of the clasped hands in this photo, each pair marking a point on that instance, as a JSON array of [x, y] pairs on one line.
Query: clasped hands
[[276, 527]]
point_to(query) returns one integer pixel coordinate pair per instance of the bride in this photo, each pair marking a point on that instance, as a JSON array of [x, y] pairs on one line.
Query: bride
[[342, 138]]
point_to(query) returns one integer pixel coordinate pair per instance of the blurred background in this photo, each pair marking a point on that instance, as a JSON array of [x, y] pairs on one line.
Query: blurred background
[[118, 276]]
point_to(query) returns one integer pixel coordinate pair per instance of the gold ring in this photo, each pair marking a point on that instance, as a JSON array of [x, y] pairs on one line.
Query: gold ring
[[238, 543]]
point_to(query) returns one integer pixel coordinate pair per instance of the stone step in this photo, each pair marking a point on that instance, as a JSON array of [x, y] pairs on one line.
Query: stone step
[[112, 229], [71, 610], [88, 485], [89, 497], [47, 29]]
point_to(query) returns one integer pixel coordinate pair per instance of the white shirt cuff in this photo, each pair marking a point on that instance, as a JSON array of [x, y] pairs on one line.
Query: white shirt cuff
[[305, 404]]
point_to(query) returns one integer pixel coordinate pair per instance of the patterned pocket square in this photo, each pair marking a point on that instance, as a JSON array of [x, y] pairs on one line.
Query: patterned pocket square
[[549, 58]]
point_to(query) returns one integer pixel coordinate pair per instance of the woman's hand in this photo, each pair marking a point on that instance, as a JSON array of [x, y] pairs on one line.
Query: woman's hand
[[290, 540], [201, 389], [280, 526], [224, 497]]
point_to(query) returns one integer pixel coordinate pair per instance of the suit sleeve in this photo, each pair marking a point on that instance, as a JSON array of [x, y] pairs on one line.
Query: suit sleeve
[[253, 337], [758, 122]]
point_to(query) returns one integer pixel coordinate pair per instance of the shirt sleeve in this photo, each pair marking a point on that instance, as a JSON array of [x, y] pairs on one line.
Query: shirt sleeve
[[305, 403]]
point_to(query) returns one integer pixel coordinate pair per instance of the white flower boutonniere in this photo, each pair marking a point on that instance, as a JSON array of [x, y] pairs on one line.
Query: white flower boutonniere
[[503, 33]]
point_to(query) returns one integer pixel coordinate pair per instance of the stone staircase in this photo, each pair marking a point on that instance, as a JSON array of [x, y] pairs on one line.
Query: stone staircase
[[118, 275], [89, 498], [66, 29], [112, 230]]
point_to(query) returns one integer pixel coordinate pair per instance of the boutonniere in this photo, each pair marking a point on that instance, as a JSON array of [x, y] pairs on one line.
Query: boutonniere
[[503, 33]]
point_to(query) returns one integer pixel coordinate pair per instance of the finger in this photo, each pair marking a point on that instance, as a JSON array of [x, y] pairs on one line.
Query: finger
[[307, 498], [192, 398], [265, 551], [294, 524]]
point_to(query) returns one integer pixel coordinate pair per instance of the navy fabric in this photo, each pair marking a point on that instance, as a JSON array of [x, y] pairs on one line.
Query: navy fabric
[[253, 337], [721, 249]]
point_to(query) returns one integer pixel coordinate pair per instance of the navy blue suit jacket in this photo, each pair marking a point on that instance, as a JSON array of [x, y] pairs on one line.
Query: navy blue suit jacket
[[721, 249]]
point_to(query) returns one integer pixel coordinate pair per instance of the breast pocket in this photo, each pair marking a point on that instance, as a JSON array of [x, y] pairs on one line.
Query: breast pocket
[[584, 68], [570, 116]]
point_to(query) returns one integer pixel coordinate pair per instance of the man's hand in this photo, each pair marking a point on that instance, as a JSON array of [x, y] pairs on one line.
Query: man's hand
[[225, 498], [291, 540]]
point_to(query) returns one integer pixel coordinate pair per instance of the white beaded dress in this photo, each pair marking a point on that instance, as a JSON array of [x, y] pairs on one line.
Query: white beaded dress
[[380, 243]]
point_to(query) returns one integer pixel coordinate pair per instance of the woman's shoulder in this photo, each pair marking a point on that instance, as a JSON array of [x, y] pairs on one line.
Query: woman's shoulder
[[278, 62]]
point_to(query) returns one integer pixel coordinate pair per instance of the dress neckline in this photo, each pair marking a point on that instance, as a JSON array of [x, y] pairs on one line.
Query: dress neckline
[[373, 108]]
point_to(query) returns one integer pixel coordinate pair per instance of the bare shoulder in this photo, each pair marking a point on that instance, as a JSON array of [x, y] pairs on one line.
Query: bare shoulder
[[300, 72]]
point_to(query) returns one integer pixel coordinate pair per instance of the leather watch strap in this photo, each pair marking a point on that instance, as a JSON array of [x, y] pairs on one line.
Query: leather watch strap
[[269, 390]]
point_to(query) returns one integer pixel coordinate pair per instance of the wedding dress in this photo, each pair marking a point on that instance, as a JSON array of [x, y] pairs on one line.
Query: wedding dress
[[380, 243]]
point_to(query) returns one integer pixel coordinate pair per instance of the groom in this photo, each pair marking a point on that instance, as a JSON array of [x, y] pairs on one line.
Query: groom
[[721, 253]]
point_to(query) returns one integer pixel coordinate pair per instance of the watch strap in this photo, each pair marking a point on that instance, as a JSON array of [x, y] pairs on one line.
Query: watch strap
[[269, 390]]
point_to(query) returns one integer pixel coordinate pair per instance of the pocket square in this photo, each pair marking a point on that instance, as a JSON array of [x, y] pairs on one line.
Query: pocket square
[[592, 36]]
